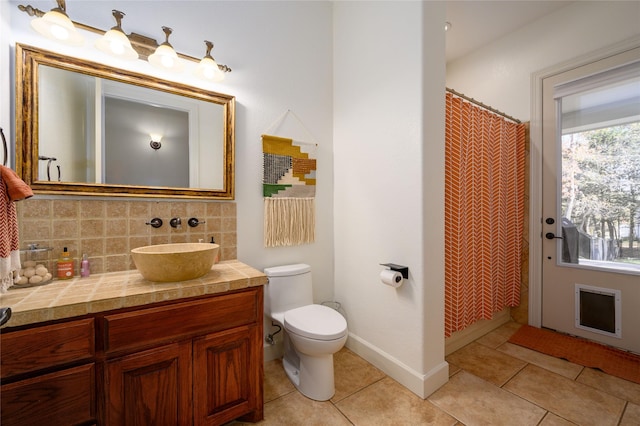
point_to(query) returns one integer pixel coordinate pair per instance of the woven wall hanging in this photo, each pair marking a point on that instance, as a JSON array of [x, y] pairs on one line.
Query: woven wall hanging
[[289, 189]]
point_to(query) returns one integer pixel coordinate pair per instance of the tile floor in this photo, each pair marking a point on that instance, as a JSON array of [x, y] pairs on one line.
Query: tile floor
[[492, 382]]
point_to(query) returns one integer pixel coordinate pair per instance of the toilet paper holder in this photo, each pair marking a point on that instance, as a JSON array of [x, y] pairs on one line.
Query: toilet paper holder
[[404, 270]]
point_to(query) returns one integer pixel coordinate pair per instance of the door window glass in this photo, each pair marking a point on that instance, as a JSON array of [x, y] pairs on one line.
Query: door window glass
[[600, 189]]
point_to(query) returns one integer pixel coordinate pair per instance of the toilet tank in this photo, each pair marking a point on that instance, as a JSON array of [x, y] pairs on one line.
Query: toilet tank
[[289, 287]]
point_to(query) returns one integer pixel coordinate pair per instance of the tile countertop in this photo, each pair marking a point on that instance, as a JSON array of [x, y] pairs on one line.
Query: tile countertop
[[103, 292]]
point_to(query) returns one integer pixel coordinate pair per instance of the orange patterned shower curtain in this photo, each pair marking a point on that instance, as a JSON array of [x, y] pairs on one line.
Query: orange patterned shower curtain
[[484, 207]]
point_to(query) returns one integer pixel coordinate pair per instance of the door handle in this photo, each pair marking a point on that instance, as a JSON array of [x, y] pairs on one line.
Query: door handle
[[551, 236]]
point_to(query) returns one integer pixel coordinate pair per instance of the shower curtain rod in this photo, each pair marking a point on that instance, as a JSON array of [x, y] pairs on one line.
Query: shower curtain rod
[[480, 104]]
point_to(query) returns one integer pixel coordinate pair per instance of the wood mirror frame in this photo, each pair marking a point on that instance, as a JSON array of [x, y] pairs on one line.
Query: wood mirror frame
[[29, 58]]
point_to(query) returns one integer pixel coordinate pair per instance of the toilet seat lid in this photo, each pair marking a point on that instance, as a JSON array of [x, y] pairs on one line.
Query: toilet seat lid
[[315, 322]]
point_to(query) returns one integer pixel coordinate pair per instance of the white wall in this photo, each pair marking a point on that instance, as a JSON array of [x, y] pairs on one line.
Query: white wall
[[6, 118], [389, 161], [500, 74]]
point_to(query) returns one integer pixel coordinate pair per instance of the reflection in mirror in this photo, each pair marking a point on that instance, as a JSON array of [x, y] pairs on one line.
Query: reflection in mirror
[[132, 126], [85, 128]]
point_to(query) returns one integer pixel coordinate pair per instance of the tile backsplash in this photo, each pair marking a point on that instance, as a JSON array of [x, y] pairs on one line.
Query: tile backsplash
[[106, 230]]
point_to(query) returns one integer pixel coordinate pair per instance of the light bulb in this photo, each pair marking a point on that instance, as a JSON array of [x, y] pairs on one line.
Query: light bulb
[[115, 42], [58, 26], [167, 61], [117, 47], [165, 58], [209, 73], [208, 69], [59, 32]]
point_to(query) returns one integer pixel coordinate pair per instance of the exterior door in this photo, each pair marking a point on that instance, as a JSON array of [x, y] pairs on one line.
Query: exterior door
[[591, 201]]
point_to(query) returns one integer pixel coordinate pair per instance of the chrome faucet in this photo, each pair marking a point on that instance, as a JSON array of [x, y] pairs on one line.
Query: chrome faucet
[[156, 222], [193, 222]]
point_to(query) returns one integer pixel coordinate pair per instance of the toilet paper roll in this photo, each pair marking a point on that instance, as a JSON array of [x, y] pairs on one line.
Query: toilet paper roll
[[392, 278]]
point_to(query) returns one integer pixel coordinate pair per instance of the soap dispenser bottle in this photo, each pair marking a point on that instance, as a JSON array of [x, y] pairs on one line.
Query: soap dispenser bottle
[[65, 266], [84, 266]]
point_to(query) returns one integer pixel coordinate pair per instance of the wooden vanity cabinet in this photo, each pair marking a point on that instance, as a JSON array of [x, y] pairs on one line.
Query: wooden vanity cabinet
[[195, 362], [198, 362]]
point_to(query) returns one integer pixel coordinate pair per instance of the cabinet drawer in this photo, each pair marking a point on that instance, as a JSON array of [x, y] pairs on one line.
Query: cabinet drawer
[[47, 346], [181, 320], [65, 397]]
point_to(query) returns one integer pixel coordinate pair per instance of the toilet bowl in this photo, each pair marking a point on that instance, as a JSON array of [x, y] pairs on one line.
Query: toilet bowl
[[312, 333]]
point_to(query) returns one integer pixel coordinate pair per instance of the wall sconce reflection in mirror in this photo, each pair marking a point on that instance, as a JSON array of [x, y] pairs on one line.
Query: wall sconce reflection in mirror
[[57, 25], [155, 141]]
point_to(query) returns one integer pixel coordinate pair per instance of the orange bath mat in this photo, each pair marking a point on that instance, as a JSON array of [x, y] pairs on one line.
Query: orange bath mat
[[580, 351]]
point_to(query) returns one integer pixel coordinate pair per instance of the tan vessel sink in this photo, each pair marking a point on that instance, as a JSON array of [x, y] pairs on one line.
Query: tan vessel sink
[[175, 262]]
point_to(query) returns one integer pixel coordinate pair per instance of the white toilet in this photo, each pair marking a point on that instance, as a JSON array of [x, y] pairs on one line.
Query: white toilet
[[312, 333]]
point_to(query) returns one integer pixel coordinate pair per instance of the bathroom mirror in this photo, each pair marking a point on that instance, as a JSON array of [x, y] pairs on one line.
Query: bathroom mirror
[[84, 128]]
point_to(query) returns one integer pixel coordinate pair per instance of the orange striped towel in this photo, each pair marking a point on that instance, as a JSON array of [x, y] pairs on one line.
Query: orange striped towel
[[16, 188], [9, 241]]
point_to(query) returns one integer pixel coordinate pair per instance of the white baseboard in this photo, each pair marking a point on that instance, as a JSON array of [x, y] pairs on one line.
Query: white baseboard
[[463, 337], [422, 385]]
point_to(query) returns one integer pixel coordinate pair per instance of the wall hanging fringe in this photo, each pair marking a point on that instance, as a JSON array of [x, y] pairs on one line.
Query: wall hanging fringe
[[288, 185], [289, 221]]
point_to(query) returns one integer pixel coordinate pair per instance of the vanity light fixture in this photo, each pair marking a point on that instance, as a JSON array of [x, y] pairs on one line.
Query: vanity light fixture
[[56, 25], [115, 41], [208, 69], [155, 141], [165, 57]]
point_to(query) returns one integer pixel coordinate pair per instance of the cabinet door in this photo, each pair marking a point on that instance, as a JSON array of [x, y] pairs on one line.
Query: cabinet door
[[66, 397], [150, 388], [227, 374]]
